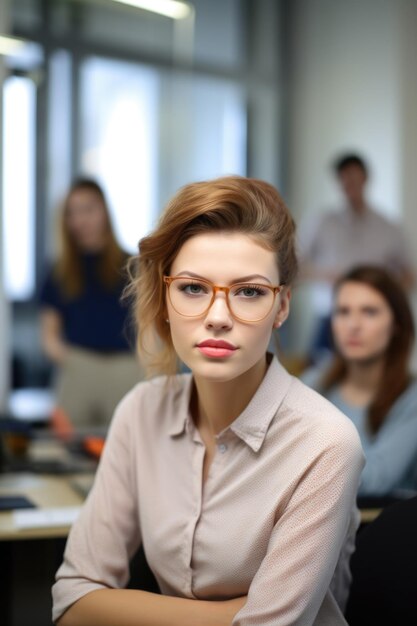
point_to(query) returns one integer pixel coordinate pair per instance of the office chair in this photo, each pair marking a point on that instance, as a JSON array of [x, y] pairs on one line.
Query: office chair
[[384, 570]]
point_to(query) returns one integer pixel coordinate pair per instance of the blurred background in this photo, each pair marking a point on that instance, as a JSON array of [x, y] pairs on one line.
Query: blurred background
[[145, 103]]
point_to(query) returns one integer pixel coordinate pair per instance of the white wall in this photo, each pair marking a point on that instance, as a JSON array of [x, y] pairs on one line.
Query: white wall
[[4, 307], [408, 128], [353, 88]]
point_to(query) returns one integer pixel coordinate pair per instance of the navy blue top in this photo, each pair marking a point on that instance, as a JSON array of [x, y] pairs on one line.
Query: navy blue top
[[94, 320]]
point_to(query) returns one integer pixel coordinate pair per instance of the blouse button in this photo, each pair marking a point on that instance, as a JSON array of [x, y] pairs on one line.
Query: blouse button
[[222, 448]]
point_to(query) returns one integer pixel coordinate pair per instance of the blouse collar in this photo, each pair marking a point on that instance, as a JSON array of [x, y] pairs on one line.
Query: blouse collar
[[251, 426]]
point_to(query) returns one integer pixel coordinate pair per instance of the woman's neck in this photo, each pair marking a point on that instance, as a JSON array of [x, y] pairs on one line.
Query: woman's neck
[[218, 404], [362, 381], [95, 248]]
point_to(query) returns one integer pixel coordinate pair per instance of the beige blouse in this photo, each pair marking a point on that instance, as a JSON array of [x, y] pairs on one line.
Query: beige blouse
[[275, 519]]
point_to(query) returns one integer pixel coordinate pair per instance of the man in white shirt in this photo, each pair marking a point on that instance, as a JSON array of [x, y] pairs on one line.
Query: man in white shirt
[[340, 239]]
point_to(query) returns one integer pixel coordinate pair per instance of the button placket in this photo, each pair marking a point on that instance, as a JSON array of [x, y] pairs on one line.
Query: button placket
[[197, 472], [223, 446]]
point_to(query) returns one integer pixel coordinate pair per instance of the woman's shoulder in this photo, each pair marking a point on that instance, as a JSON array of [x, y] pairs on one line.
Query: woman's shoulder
[[319, 418], [411, 389], [48, 273], [50, 291], [151, 399], [406, 403], [158, 388], [312, 430]]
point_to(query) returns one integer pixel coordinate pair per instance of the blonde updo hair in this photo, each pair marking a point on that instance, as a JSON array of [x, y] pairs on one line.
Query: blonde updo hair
[[231, 203]]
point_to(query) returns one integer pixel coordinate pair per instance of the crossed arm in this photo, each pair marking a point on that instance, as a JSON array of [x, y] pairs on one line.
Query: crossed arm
[[289, 585], [128, 607]]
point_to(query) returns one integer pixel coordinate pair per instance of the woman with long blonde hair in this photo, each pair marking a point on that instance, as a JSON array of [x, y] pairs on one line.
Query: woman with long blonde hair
[[83, 323]]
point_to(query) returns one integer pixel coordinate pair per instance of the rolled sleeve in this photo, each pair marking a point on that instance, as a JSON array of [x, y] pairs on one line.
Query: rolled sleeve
[[290, 586], [107, 532]]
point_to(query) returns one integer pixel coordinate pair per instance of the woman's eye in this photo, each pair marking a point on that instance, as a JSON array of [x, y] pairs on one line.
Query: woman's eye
[[249, 291], [192, 289]]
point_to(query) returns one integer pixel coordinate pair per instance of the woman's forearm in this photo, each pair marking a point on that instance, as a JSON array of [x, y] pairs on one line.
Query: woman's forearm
[[56, 350], [52, 340], [128, 607], [52, 337]]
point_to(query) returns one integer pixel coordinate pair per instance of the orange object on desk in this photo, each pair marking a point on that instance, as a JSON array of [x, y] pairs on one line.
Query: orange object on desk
[[94, 446]]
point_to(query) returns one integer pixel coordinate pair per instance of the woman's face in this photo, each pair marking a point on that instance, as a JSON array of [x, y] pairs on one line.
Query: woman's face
[[86, 220], [224, 259], [362, 322]]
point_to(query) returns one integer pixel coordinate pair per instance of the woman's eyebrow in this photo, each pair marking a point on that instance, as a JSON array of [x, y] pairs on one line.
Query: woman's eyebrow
[[241, 279]]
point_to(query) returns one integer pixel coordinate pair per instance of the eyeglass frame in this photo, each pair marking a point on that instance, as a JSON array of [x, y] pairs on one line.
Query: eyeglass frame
[[276, 289]]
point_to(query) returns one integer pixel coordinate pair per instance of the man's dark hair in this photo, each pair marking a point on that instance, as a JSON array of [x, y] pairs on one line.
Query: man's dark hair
[[347, 160]]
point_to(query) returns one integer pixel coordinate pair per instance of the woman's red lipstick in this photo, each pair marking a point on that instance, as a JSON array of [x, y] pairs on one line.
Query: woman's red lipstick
[[216, 348]]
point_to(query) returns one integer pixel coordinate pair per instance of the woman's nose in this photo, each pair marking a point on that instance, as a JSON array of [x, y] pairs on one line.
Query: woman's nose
[[354, 321], [218, 315]]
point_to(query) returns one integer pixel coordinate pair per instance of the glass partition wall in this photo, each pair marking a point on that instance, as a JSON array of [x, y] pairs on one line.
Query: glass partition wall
[[144, 104]]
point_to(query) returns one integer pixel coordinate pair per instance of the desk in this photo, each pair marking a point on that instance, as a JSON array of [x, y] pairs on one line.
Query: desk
[[369, 515], [44, 491], [30, 557]]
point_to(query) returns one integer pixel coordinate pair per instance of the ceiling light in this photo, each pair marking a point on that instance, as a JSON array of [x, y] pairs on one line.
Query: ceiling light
[[170, 8]]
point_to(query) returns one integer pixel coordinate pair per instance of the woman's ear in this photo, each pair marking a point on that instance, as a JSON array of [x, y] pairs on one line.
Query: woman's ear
[[284, 307]]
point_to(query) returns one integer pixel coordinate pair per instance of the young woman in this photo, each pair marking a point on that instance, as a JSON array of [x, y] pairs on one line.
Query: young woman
[[239, 481], [369, 377], [83, 324]]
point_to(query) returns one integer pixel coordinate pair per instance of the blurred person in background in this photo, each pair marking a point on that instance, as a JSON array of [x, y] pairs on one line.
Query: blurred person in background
[[83, 322], [369, 380], [338, 240]]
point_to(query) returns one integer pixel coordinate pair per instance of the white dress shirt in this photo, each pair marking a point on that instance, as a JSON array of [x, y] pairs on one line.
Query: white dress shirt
[[336, 241]]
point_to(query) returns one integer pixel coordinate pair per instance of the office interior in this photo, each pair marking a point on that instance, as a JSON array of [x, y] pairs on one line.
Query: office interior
[[145, 103], [266, 89]]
